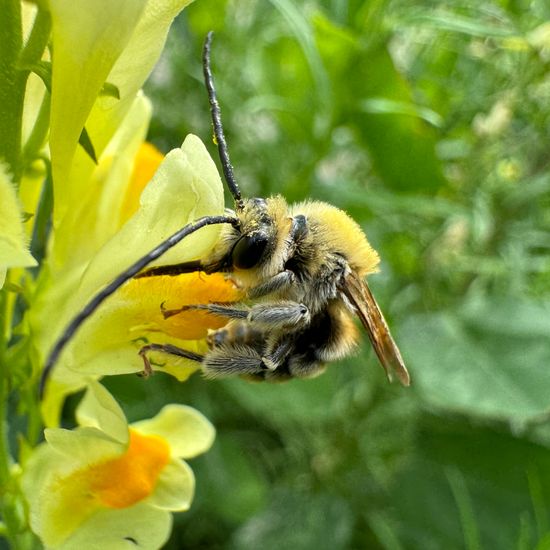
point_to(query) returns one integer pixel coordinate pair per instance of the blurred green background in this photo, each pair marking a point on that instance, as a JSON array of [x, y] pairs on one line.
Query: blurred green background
[[429, 122]]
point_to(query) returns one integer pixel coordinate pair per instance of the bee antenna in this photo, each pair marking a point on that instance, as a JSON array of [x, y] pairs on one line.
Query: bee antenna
[[135, 268], [217, 124]]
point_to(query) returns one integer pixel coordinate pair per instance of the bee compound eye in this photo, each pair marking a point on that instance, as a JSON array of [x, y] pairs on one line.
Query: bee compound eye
[[248, 250]]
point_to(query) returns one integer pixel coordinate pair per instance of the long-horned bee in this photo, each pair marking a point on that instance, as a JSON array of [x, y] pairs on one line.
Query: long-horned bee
[[303, 269]]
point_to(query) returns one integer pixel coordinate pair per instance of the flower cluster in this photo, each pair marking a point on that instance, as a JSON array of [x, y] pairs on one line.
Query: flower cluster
[[73, 157]]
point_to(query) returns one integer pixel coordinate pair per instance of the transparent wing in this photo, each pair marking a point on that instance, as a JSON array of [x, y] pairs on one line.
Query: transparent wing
[[360, 296]]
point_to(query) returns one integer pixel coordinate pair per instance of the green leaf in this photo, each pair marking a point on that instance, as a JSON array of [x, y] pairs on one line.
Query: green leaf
[[488, 359], [448, 20], [87, 145], [471, 487], [300, 521], [231, 473], [382, 105], [367, 84], [303, 401]]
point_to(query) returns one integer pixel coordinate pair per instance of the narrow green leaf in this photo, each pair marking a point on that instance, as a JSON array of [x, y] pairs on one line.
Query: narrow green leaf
[[383, 105], [465, 508], [87, 145]]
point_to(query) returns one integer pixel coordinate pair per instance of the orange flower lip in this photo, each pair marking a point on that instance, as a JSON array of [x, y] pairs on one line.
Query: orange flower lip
[[123, 481], [119, 482], [148, 293]]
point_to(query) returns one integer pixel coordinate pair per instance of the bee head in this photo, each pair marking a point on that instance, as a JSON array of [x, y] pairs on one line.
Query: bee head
[[257, 234]]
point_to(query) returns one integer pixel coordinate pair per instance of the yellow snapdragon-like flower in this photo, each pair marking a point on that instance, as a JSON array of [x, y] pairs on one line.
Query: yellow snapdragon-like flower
[[93, 43], [105, 483], [186, 186], [104, 215]]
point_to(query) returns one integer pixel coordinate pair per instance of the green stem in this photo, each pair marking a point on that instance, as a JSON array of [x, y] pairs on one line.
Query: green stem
[[11, 85], [37, 42], [15, 63], [5, 454]]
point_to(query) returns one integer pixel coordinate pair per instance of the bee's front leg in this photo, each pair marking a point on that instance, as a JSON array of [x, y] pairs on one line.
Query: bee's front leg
[[270, 315], [170, 350], [278, 282]]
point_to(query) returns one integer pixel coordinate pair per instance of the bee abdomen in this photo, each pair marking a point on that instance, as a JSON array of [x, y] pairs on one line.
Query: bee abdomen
[[236, 333]]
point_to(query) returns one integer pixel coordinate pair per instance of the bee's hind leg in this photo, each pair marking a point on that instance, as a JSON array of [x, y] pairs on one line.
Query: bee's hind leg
[[260, 362], [170, 350], [231, 360]]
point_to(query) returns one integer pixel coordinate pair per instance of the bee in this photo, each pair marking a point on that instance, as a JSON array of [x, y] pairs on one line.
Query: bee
[[302, 268]]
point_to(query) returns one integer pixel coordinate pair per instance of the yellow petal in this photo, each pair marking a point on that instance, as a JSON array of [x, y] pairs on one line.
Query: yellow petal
[[99, 409], [175, 488], [87, 39], [124, 481], [98, 213], [83, 446], [146, 297], [80, 485], [110, 340], [133, 67], [185, 187], [140, 526], [188, 432], [146, 163]]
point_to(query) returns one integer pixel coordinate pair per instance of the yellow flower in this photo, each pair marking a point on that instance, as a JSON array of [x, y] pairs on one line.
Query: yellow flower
[[186, 186], [107, 215], [93, 43], [105, 482]]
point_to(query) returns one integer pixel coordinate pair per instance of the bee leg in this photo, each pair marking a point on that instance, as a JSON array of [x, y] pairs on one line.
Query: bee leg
[[278, 282], [229, 360], [165, 348], [277, 351], [224, 310], [281, 314]]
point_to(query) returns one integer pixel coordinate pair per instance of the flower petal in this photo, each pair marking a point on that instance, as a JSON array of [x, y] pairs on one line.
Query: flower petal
[[87, 39], [175, 488], [186, 186], [140, 526], [83, 446], [99, 409], [85, 526], [188, 432], [133, 66], [98, 215]]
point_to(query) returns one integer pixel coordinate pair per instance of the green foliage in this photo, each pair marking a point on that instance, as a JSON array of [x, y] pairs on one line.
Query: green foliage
[[428, 121]]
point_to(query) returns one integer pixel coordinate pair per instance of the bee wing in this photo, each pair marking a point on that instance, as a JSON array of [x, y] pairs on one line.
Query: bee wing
[[360, 296]]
